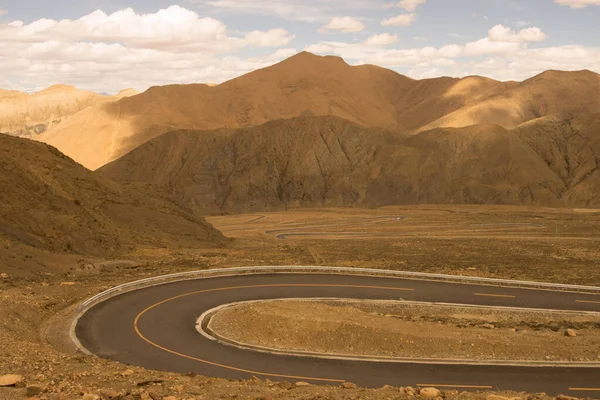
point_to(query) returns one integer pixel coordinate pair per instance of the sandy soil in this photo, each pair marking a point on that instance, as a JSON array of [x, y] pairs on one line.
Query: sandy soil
[[393, 329]]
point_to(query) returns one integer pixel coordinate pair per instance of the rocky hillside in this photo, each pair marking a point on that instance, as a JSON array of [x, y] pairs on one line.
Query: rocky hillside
[[49, 202], [548, 94], [27, 115], [328, 161]]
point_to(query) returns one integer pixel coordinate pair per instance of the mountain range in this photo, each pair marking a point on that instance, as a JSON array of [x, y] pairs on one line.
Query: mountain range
[[315, 131], [29, 115]]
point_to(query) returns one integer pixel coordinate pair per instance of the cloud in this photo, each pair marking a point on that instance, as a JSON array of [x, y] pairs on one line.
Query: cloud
[[272, 38], [503, 54], [501, 33], [384, 39], [411, 5], [400, 20], [420, 38], [172, 29], [578, 3], [107, 52], [3, 12], [343, 24], [306, 10]]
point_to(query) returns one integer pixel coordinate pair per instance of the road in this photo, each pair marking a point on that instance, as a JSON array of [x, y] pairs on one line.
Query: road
[[155, 328]]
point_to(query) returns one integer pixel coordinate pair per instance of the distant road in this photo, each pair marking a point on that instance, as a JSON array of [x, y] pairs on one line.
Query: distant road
[[155, 328]]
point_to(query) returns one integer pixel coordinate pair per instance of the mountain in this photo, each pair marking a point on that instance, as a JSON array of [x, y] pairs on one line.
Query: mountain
[[51, 203], [28, 115], [302, 85], [327, 161], [550, 93]]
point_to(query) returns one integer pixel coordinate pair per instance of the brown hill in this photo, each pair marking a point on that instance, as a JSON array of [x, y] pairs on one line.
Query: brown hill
[[550, 93], [327, 161], [49, 202], [27, 115], [302, 85]]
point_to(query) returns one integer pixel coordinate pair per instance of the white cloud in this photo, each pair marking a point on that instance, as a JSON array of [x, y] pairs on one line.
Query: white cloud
[[385, 39], [107, 52], [502, 54], [272, 38], [501, 33], [411, 5], [400, 20], [420, 38], [578, 3], [343, 24], [306, 10]]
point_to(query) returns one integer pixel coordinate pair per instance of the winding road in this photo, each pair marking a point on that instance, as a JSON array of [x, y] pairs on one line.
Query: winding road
[[154, 327]]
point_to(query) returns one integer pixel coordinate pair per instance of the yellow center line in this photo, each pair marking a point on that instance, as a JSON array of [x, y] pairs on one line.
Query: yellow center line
[[585, 389], [137, 330], [496, 295], [587, 301], [454, 386]]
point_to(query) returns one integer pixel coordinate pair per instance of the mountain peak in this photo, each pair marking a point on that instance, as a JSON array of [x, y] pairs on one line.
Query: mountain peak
[[127, 92], [59, 87]]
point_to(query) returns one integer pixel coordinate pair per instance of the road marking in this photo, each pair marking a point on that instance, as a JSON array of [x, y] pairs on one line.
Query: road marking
[[496, 295], [587, 301], [455, 386], [137, 318], [585, 389]]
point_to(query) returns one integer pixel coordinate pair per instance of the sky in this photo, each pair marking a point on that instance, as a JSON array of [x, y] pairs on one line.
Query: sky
[[109, 45]]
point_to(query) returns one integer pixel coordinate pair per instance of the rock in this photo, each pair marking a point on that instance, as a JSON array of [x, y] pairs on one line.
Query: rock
[[563, 397], [537, 396], [178, 388], [68, 284], [10, 380], [496, 397], [40, 377], [4, 275], [127, 372], [170, 398], [285, 385], [89, 396], [430, 393], [451, 393], [145, 396], [409, 391], [301, 384], [388, 387], [34, 390], [108, 394], [488, 326], [570, 333], [155, 396], [349, 385]]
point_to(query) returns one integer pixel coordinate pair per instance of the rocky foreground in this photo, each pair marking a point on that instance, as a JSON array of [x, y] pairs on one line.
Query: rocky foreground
[[130, 384]]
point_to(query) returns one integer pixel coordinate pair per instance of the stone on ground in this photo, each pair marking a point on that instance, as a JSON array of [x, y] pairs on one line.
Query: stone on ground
[[430, 392], [10, 380]]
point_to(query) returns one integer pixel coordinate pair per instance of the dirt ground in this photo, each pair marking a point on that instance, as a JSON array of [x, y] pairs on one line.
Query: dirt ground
[[542, 244], [463, 240], [396, 329]]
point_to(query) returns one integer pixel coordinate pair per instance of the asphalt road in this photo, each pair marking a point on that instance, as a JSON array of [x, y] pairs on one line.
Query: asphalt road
[[155, 328]]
